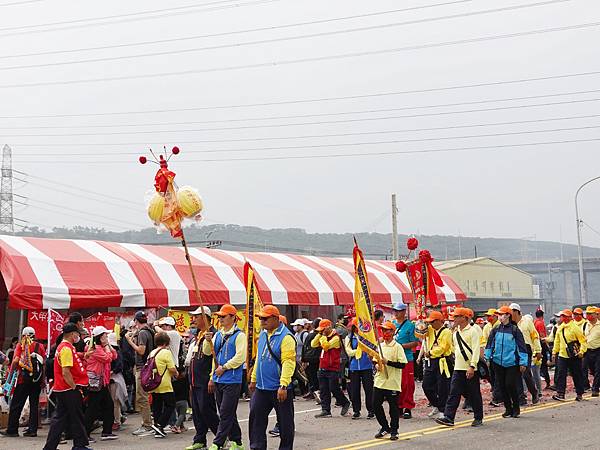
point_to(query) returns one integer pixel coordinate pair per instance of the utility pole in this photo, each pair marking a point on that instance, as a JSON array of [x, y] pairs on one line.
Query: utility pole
[[582, 283], [394, 229], [7, 221]]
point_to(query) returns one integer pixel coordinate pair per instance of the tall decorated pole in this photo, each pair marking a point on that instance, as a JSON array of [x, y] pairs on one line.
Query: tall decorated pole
[[170, 205]]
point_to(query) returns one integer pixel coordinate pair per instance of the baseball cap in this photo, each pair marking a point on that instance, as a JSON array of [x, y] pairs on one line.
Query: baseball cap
[[140, 315], [388, 325], [463, 312], [515, 307], [201, 310], [591, 309], [578, 311], [269, 311], [399, 307], [98, 330], [227, 310], [168, 320], [491, 312], [566, 312], [504, 310], [283, 319], [28, 330], [69, 327], [435, 315], [298, 322], [324, 323]]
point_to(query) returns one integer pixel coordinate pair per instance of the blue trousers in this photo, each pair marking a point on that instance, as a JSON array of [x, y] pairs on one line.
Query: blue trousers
[[261, 405], [204, 413], [228, 396]]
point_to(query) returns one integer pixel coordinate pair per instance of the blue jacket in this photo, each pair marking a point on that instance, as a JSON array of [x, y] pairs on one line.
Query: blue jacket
[[268, 369], [224, 352], [364, 362], [506, 346]]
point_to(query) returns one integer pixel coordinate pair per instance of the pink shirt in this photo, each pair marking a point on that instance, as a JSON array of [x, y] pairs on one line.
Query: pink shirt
[[99, 362]]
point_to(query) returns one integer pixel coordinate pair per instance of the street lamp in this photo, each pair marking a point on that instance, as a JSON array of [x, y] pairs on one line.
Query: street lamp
[[581, 280]]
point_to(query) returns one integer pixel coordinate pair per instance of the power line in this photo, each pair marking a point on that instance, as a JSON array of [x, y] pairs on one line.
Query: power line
[[339, 155], [444, 113], [280, 39], [350, 144], [301, 116], [304, 60], [313, 100], [20, 3], [229, 33], [406, 130], [128, 17]]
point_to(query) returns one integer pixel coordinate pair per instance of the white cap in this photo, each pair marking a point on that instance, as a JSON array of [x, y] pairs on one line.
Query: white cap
[[131, 324], [97, 331], [297, 322], [167, 321], [515, 306], [112, 339], [201, 310], [28, 330], [306, 321]]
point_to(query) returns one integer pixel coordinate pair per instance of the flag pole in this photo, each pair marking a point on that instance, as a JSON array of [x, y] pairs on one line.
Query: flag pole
[[49, 335]]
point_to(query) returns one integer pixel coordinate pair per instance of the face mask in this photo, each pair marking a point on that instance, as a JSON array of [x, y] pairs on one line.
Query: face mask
[[490, 319]]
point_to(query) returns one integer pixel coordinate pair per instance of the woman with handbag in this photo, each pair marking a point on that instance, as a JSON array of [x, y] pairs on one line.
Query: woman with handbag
[[98, 357]]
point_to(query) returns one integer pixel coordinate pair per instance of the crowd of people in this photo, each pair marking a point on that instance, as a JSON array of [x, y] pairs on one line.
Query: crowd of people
[[98, 378]]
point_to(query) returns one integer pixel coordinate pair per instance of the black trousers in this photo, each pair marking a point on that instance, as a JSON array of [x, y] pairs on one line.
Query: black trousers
[[544, 368], [461, 386], [496, 390], [100, 406], [204, 413], [312, 370], [364, 377], [228, 396], [329, 385], [163, 406], [20, 395], [261, 405], [565, 365], [593, 362], [379, 396], [528, 379], [69, 414], [435, 384], [508, 380]]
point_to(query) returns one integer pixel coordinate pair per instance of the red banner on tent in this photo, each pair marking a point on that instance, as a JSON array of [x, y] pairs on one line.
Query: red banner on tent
[[105, 319], [39, 321]]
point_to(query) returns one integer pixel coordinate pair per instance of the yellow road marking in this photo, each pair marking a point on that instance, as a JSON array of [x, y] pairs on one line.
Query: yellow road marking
[[441, 428]]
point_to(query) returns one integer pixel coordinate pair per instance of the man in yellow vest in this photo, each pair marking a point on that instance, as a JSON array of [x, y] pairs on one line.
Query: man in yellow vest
[[569, 348], [592, 356]]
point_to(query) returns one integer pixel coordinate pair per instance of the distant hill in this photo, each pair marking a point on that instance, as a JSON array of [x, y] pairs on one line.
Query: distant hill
[[294, 240]]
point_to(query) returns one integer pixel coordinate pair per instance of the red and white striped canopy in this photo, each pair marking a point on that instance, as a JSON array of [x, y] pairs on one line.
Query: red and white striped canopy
[[69, 274]]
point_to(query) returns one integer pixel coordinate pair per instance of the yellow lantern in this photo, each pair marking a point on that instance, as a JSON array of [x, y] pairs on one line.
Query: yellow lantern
[[189, 201], [156, 207]]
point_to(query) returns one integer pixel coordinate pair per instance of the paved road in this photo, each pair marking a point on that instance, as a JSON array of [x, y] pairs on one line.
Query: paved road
[[551, 424]]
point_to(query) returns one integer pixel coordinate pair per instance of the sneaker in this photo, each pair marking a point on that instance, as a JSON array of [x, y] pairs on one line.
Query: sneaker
[[535, 400], [477, 423], [108, 437], [196, 446], [381, 434], [440, 415], [506, 414], [116, 426], [394, 437], [159, 430], [158, 435], [236, 446], [345, 409], [30, 434], [407, 414], [143, 431], [215, 447], [274, 431], [433, 413], [91, 440], [559, 397], [370, 416], [356, 416], [579, 398], [445, 421], [322, 414], [516, 414], [494, 404], [7, 434]]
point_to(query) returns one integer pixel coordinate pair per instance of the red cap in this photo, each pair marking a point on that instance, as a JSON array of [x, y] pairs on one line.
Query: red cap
[[435, 315], [268, 311], [226, 310]]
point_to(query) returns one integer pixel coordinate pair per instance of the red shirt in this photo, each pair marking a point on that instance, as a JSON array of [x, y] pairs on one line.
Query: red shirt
[[33, 347], [540, 327]]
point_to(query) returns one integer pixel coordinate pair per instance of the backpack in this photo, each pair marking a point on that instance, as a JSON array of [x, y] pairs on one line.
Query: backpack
[[308, 352], [150, 379], [37, 367]]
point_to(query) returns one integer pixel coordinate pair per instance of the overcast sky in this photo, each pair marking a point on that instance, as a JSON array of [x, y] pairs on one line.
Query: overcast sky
[[496, 189]]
